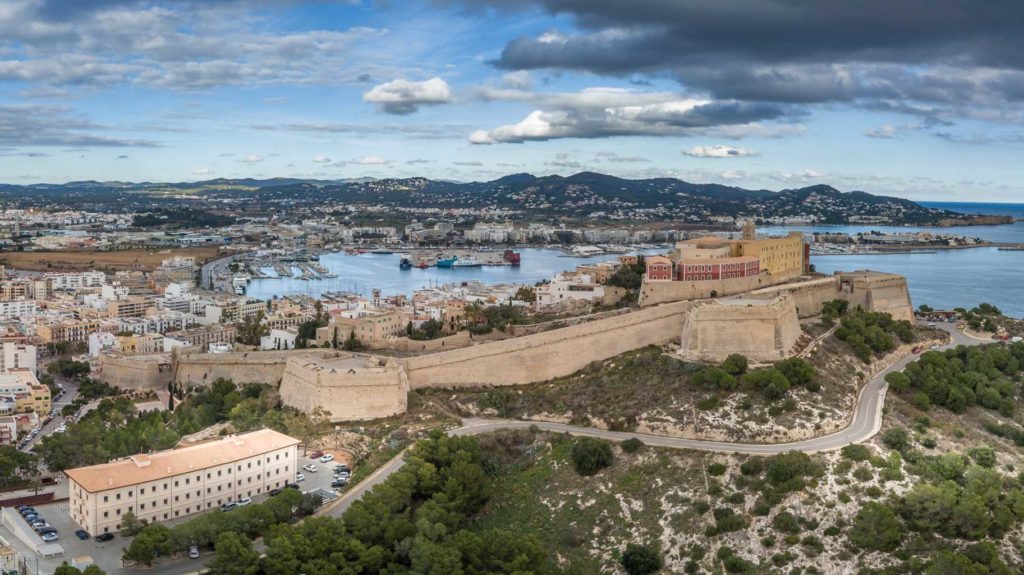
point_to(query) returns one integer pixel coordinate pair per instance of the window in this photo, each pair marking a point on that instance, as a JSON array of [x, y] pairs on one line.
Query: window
[[175, 482], [106, 498], [106, 514]]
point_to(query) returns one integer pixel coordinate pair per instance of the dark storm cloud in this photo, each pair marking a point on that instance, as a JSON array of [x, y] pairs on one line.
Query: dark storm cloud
[[790, 50]]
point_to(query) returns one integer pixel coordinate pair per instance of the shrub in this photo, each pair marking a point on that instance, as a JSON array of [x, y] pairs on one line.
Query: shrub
[[641, 559], [716, 469], [896, 438], [856, 452], [632, 445], [590, 455], [735, 364], [786, 522]]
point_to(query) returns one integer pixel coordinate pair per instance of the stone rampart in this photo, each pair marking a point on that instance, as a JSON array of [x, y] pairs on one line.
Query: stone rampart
[[761, 329], [346, 388], [876, 291], [659, 292], [549, 354], [245, 367], [809, 296], [135, 372]]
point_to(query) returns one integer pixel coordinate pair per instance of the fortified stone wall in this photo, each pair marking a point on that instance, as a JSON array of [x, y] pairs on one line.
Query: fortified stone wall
[[659, 292], [876, 291], [809, 296], [762, 330], [347, 388], [549, 354], [247, 367], [135, 372]]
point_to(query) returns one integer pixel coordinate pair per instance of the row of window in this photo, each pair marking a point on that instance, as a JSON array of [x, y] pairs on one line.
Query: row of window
[[142, 490]]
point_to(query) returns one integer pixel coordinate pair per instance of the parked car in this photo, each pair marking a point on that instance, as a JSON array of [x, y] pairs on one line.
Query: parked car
[[25, 510], [316, 454], [82, 534], [339, 483], [309, 467], [341, 467], [327, 458], [228, 506], [104, 537], [46, 530], [274, 492], [934, 347], [193, 552], [917, 349], [299, 477], [40, 526], [292, 485], [50, 537], [30, 517], [244, 501]]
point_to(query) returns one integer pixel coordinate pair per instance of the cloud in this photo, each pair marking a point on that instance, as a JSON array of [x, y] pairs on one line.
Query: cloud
[[415, 161], [403, 97], [613, 158], [122, 157], [33, 125], [362, 161], [252, 159], [203, 172], [718, 152], [886, 131], [467, 163], [321, 160], [562, 160], [519, 80], [957, 58], [606, 113], [425, 131]]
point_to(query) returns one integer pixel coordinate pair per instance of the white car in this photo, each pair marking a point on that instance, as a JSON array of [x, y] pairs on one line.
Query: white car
[[193, 552], [309, 467], [244, 501], [299, 477], [327, 458], [50, 537]]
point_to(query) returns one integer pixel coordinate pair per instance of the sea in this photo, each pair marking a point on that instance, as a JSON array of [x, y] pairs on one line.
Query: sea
[[943, 279]]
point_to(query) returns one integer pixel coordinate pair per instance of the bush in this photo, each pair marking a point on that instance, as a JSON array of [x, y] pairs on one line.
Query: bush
[[641, 559], [735, 364], [716, 469], [632, 445], [856, 452], [786, 522], [896, 438], [876, 528], [590, 455]]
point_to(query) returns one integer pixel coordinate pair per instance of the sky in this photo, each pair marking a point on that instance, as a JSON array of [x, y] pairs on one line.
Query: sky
[[911, 98]]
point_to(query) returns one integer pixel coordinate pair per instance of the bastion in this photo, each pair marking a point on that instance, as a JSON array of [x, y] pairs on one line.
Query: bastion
[[761, 329], [877, 291], [347, 387]]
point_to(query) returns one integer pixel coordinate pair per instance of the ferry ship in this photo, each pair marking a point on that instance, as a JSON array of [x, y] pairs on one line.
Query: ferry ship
[[446, 262], [468, 262]]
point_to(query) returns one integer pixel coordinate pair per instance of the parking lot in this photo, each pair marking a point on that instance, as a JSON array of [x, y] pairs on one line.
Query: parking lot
[[108, 555]]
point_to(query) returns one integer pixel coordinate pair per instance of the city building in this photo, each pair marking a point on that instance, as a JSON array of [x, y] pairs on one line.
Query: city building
[[66, 330], [28, 395], [166, 485], [659, 268], [17, 309], [15, 355], [366, 324]]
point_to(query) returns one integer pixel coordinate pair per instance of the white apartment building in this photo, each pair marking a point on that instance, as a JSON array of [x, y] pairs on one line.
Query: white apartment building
[[71, 281], [179, 482], [18, 309], [17, 355]]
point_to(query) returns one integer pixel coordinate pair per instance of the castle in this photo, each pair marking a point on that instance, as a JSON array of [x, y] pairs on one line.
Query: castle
[[716, 297]]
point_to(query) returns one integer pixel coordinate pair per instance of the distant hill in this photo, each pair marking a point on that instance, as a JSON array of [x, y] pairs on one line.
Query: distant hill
[[583, 195]]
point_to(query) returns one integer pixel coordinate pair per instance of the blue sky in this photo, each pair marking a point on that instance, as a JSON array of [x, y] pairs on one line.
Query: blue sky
[[883, 100]]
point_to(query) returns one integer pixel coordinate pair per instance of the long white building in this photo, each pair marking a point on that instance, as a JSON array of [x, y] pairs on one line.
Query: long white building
[[170, 484]]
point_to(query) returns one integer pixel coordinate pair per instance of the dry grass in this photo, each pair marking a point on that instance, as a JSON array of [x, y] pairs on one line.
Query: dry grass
[[109, 261]]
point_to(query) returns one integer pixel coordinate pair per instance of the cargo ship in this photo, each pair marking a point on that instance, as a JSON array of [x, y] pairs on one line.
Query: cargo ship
[[446, 262], [513, 258]]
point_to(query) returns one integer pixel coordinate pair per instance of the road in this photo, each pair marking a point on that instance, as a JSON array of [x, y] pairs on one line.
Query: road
[[866, 422]]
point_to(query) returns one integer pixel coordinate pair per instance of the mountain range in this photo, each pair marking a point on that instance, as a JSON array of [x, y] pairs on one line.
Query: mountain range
[[583, 195]]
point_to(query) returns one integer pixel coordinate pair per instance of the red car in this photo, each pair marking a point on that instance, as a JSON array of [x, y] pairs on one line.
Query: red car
[[316, 454], [916, 349]]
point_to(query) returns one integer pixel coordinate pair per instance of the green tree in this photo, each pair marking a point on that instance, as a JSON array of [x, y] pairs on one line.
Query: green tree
[[735, 364], [876, 527], [234, 556]]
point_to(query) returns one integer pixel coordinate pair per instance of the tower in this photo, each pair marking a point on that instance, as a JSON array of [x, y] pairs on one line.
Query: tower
[[749, 232]]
